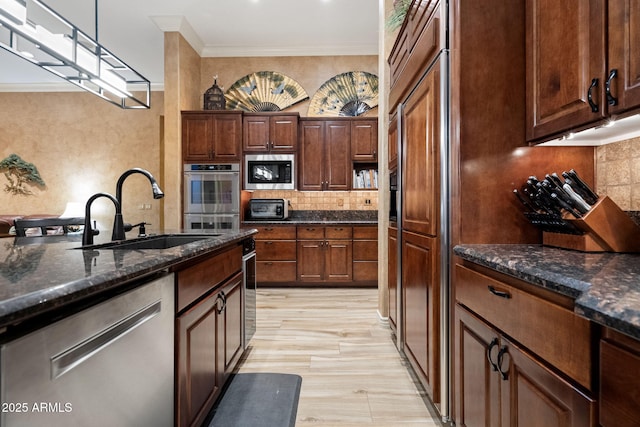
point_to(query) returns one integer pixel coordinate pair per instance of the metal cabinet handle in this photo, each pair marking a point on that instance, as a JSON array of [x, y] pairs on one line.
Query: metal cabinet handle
[[69, 359], [494, 342], [269, 263], [593, 105], [223, 300], [501, 353], [501, 294], [268, 229], [611, 100], [268, 243]]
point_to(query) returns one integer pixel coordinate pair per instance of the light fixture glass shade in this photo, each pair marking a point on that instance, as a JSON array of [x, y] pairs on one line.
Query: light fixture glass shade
[[33, 31]]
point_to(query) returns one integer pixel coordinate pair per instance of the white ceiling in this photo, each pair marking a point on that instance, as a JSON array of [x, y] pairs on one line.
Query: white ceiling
[[133, 31]]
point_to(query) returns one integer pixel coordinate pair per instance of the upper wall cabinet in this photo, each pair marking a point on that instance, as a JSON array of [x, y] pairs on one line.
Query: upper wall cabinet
[[569, 86], [263, 132], [325, 155], [364, 140], [211, 136]]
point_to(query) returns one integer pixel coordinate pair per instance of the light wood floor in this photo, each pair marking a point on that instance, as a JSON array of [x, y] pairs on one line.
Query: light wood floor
[[352, 374]]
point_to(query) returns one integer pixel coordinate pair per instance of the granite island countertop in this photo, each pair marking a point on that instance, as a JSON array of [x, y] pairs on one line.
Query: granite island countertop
[[39, 274], [606, 286], [369, 217]]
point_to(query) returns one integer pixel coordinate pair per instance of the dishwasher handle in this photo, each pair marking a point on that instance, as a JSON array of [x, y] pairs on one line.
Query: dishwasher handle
[[69, 359]]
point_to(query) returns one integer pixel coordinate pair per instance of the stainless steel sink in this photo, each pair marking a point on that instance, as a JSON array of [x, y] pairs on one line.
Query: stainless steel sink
[[161, 241]]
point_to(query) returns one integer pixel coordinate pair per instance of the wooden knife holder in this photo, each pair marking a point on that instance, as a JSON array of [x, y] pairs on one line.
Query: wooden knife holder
[[607, 228]]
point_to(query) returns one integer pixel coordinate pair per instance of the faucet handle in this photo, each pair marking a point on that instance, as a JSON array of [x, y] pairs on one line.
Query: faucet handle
[[94, 230]]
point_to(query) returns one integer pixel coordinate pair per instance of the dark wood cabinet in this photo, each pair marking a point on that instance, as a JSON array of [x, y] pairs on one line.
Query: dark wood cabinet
[[209, 136], [623, 45], [500, 384], [393, 143], [325, 254], [365, 254], [421, 302], [276, 254], [420, 142], [325, 155], [619, 386], [263, 133], [393, 277], [208, 332], [569, 44], [364, 140]]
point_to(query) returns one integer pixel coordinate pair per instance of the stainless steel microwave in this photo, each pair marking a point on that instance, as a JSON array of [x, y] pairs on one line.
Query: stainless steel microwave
[[268, 209], [269, 172]]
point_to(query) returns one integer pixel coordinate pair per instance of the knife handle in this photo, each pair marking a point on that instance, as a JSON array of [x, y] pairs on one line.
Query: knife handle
[[592, 196]]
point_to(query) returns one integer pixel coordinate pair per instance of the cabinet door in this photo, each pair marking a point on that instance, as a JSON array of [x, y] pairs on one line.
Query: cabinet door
[[565, 57], [421, 316], [619, 385], [393, 143], [227, 137], [393, 277], [364, 140], [533, 395], [624, 45], [283, 131], [255, 133], [311, 260], [421, 171], [197, 131], [232, 324], [311, 171], [199, 374], [477, 386], [338, 175], [338, 263]]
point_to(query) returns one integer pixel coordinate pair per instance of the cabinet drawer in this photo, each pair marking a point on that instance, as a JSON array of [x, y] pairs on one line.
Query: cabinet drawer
[[266, 232], [365, 270], [199, 279], [365, 250], [338, 232], [310, 232], [369, 233], [275, 271], [275, 250], [554, 333]]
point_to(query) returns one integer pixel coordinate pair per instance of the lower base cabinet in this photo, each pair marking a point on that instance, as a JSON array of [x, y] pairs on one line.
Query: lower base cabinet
[[619, 385], [208, 333], [499, 384]]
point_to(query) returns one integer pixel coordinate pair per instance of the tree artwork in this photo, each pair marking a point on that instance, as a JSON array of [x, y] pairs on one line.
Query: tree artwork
[[20, 173]]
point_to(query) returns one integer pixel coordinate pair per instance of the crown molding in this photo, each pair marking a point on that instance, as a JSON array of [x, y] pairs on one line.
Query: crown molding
[[179, 24], [341, 50]]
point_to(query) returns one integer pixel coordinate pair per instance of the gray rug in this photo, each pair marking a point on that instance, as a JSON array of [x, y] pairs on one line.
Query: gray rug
[[258, 399]]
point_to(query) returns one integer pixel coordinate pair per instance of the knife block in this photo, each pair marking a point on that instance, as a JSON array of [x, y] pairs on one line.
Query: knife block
[[606, 227]]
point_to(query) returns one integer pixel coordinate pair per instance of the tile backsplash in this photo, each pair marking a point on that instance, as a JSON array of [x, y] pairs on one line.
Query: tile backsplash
[[618, 173], [323, 200]]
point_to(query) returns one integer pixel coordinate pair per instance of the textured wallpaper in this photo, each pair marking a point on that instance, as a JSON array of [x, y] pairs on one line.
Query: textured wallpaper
[[618, 173]]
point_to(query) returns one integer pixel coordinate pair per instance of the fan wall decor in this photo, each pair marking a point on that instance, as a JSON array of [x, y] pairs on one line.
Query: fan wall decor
[[264, 91], [347, 94]]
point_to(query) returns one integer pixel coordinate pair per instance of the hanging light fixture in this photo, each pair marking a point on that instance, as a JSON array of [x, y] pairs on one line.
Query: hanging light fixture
[[33, 31]]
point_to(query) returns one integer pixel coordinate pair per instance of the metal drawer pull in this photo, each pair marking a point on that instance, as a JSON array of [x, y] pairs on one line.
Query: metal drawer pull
[[69, 359], [612, 100], [501, 353], [593, 105], [494, 342], [501, 294]]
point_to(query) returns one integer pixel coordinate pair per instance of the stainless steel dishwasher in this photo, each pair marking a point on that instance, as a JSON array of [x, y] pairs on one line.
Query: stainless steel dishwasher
[[108, 365]]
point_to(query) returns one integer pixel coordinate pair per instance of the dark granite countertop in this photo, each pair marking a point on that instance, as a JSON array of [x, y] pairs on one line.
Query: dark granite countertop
[[606, 286], [38, 274], [323, 217]]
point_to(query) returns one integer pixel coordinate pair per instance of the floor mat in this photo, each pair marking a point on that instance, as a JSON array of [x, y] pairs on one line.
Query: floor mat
[[258, 399]]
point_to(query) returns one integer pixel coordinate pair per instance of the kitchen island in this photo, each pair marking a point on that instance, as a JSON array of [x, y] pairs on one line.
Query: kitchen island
[[85, 331], [559, 326]]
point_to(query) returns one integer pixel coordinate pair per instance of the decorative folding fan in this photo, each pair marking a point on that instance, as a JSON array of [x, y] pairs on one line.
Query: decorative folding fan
[[264, 91], [347, 94]]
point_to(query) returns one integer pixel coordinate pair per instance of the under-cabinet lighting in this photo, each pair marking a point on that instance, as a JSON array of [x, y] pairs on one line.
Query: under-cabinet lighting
[[64, 50]]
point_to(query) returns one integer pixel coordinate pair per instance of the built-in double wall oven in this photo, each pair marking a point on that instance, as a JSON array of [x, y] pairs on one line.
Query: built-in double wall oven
[[211, 196]]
